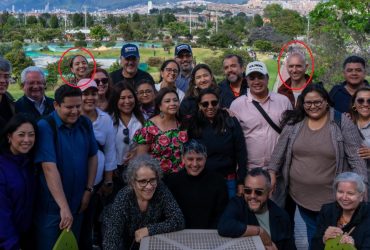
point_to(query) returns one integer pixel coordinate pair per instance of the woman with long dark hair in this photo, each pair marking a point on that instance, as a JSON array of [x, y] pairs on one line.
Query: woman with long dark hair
[[223, 138], [127, 118], [316, 144], [168, 73], [161, 135], [104, 83], [78, 65], [360, 114], [17, 182], [146, 92], [201, 78]]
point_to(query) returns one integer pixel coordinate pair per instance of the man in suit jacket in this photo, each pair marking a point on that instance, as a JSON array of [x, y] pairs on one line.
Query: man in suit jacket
[[34, 102]]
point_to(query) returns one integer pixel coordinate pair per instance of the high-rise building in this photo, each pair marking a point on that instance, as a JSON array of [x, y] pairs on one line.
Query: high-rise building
[[150, 6]]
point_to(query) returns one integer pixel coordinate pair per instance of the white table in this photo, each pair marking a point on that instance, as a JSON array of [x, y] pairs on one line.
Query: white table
[[199, 239]]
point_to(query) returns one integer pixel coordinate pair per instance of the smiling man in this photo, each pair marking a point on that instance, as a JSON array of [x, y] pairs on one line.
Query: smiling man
[[66, 151], [34, 102], [184, 57], [296, 66], [256, 215], [235, 84], [201, 194], [260, 136], [130, 60], [354, 72]]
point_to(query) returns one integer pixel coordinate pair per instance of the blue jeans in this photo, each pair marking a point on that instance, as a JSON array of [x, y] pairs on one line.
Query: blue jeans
[[231, 188], [310, 219], [47, 229]]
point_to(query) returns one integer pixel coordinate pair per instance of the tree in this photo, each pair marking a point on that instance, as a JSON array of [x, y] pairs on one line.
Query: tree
[[126, 31], [96, 44], [257, 20], [19, 61], [348, 20], [272, 11], [136, 17], [169, 18], [54, 22], [80, 43], [264, 46], [160, 21], [77, 20], [31, 20], [98, 32], [178, 29], [80, 36]]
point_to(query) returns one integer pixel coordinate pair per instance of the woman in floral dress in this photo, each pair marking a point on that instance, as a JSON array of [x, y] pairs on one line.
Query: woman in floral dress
[[161, 135]]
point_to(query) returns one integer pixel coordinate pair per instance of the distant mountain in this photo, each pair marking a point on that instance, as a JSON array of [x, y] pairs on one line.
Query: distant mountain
[[92, 4]]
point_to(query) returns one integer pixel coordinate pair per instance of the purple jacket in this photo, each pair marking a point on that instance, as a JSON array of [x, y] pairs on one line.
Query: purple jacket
[[17, 191]]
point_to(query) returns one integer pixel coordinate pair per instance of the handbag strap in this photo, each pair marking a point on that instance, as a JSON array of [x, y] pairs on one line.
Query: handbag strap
[[267, 117]]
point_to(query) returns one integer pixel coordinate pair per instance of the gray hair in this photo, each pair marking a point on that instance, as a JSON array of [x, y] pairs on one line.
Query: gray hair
[[297, 53], [350, 177], [194, 146], [5, 65], [29, 70], [140, 161]]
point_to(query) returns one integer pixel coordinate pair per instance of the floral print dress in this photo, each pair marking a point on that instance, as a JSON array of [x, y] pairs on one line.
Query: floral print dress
[[165, 146]]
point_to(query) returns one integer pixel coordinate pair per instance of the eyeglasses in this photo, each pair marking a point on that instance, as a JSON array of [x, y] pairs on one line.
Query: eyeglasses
[[143, 92], [308, 104], [258, 192], [126, 139], [206, 104], [103, 81], [143, 183], [361, 101], [169, 70]]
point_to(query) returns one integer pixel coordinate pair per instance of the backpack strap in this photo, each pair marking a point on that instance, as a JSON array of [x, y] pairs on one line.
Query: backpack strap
[[267, 117]]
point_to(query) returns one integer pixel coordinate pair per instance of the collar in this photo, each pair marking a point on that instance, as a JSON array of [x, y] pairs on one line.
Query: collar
[[35, 102], [250, 97]]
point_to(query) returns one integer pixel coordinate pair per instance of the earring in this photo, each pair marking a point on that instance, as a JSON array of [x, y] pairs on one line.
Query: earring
[[354, 108], [161, 115]]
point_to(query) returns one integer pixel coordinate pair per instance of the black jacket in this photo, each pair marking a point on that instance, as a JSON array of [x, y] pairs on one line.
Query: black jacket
[[227, 96], [330, 214], [140, 75], [237, 216], [24, 105]]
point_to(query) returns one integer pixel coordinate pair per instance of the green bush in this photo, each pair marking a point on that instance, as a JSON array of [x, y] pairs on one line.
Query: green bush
[[110, 44], [155, 61], [264, 46], [80, 43], [96, 44]]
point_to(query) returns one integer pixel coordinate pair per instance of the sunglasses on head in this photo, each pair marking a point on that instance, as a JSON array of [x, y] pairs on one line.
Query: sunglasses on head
[[361, 101], [258, 192], [206, 104], [126, 139], [103, 81]]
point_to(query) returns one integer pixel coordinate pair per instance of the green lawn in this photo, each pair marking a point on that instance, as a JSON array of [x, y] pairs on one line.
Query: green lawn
[[271, 65]]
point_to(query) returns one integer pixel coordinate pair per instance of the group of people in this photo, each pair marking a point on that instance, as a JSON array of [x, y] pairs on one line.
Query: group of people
[[117, 157]]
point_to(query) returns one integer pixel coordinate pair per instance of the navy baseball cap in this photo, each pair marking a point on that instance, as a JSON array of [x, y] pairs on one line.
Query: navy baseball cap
[[130, 50], [182, 47]]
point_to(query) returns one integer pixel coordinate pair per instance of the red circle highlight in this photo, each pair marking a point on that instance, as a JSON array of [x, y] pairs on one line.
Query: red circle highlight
[[312, 63], [61, 60]]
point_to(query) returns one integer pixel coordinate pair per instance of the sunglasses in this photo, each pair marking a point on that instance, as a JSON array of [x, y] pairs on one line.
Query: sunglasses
[[361, 101], [206, 104], [258, 192], [103, 81], [126, 139]]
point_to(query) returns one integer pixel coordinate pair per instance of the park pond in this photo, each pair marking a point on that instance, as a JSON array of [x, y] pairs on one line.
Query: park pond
[[41, 59]]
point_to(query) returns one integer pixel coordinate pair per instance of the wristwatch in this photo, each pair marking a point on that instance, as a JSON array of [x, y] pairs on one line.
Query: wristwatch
[[90, 189]]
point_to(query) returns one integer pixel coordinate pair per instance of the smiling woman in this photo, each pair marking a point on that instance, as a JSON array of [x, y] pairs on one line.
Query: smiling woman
[[145, 207], [17, 182], [78, 65]]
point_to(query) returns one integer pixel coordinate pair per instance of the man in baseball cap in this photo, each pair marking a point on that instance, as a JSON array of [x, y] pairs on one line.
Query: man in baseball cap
[[130, 59], [184, 57], [260, 135]]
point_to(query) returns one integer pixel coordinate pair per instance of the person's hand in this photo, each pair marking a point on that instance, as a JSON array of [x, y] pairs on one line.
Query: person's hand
[[66, 218], [141, 233], [346, 239], [273, 180], [331, 233], [364, 152], [265, 237], [272, 247], [85, 201], [240, 190]]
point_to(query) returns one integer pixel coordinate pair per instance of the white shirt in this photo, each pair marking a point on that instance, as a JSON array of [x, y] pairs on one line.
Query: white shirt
[[121, 147], [104, 134], [179, 92]]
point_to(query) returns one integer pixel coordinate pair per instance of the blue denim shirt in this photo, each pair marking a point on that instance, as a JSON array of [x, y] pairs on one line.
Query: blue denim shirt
[[75, 146]]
